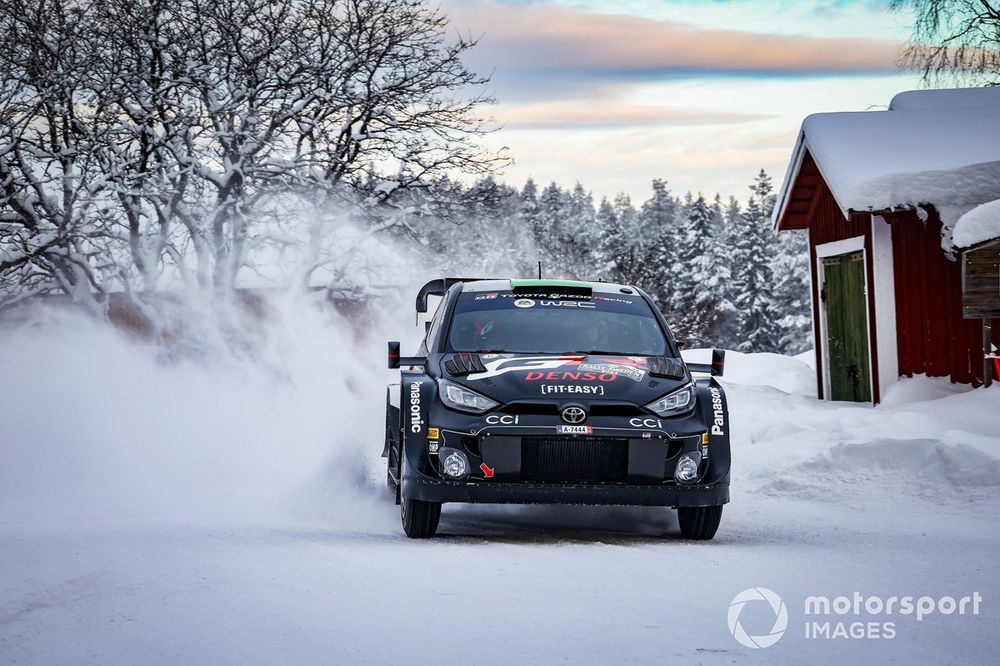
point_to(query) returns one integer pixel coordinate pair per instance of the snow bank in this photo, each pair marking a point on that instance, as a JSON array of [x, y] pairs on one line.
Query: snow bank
[[982, 223], [930, 441], [785, 373]]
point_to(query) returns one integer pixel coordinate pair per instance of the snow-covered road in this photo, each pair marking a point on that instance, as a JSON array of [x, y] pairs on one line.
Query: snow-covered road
[[827, 500]]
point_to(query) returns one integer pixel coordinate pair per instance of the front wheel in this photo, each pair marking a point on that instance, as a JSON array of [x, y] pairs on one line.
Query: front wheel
[[420, 519], [699, 522]]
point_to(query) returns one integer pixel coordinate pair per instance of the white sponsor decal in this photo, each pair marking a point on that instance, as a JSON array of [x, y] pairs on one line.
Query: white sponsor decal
[[718, 414], [636, 422], [574, 430], [572, 388], [564, 304], [415, 420], [635, 374], [502, 419], [613, 299], [502, 366], [524, 303]]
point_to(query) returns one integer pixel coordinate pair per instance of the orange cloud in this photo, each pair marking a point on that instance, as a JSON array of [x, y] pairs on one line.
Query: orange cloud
[[550, 37], [594, 114]]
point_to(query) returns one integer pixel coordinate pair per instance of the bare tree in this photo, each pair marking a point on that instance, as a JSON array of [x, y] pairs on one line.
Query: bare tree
[[954, 40], [53, 202], [141, 137]]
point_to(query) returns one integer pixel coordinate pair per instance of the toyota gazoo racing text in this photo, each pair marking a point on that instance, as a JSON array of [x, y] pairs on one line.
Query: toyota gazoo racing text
[[535, 391]]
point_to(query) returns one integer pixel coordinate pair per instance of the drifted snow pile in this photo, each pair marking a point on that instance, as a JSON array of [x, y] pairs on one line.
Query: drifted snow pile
[[929, 440]]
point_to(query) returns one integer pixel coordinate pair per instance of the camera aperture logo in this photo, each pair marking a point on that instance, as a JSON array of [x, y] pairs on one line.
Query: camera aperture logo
[[858, 616], [780, 618]]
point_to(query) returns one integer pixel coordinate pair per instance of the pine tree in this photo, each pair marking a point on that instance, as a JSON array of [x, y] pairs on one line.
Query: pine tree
[[752, 248], [612, 246], [699, 294], [579, 236], [732, 229], [659, 227], [790, 267]]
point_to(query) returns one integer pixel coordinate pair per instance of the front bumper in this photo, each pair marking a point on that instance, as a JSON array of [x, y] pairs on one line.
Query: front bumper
[[493, 492], [530, 459]]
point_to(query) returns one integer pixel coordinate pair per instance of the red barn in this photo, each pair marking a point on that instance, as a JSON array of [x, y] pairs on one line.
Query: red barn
[[880, 194]]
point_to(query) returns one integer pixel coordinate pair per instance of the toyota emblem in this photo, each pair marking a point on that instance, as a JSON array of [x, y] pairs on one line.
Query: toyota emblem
[[574, 415]]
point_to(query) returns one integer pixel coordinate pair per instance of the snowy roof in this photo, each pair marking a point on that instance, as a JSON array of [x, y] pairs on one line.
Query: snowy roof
[[939, 147], [945, 98], [982, 223]]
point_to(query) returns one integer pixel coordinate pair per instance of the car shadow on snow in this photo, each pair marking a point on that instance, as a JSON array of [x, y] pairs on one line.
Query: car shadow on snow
[[604, 525], [558, 524]]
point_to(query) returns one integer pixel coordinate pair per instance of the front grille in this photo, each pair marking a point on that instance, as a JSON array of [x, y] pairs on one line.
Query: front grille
[[580, 459]]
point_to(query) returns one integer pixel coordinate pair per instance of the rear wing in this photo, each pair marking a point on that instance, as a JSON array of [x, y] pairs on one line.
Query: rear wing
[[439, 287]]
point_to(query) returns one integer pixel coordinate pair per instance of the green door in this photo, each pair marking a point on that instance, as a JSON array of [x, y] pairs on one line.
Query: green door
[[847, 326]]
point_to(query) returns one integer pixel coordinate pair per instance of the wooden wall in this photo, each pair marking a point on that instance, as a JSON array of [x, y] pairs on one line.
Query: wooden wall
[[933, 337]]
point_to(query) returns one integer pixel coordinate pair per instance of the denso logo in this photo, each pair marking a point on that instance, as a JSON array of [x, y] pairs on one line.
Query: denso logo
[[571, 376], [415, 422], [718, 414], [501, 419], [644, 423]]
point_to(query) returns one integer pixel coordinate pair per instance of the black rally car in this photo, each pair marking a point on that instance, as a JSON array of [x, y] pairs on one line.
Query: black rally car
[[540, 391]]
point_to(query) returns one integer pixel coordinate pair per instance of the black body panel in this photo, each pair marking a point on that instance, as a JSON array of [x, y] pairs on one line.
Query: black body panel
[[523, 450]]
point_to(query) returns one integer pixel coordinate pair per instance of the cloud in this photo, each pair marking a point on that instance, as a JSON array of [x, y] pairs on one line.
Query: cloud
[[556, 42], [613, 100], [592, 114]]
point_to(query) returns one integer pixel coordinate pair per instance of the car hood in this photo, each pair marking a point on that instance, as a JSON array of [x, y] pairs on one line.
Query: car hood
[[566, 378]]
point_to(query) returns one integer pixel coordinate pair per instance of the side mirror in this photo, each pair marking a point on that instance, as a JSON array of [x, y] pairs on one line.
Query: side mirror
[[393, 354], [718, 362], [395, 360], [717, 366]]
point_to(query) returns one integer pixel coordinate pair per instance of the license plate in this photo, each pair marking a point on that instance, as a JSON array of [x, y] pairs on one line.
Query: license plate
[[574, 430]]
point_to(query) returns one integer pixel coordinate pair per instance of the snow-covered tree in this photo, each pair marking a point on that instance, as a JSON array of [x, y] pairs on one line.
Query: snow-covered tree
[[153, 132], [752, 282], [700, 274], [790, 267]]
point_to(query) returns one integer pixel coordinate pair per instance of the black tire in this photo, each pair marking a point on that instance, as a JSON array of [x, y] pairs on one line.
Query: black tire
[[420, 519], [700, 522]]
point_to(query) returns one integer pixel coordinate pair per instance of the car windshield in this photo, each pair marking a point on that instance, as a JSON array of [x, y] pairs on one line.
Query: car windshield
[[501, 321]]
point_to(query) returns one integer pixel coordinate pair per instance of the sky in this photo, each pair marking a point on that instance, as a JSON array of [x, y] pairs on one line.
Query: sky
[[702, 93]]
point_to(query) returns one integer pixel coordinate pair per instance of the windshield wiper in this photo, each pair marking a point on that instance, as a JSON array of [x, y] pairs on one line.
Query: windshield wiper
[[601, 352]]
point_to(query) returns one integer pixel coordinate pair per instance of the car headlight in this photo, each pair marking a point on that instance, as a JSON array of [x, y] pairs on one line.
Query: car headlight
[[458, 397], [673, 403]]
